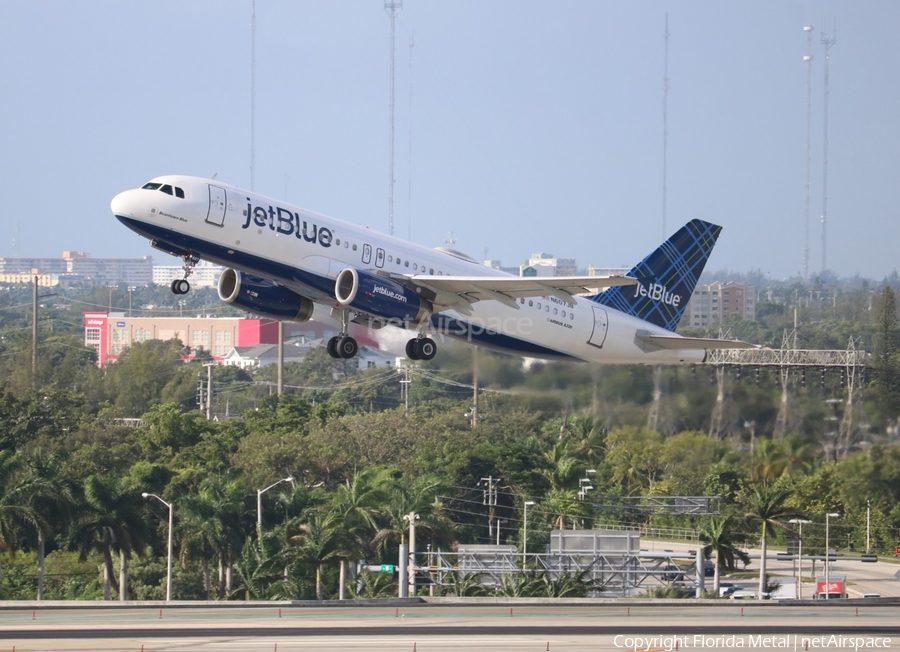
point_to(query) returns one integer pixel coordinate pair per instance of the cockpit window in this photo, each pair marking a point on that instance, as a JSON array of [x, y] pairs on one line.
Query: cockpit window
[[179, 192], [151, 186], [166, 189]]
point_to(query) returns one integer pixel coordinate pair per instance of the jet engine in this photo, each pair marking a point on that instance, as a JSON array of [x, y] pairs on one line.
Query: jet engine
[[381, 297], [263, 297]]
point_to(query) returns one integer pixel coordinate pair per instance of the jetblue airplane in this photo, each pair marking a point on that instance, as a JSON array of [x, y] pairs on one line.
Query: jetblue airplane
[[282, 260]]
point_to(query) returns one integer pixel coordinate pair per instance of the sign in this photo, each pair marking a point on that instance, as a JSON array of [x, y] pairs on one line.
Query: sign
[[384, 568], [120, 324]]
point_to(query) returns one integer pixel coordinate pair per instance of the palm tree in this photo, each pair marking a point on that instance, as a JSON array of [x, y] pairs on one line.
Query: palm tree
[[51, 497], [112, 521], [321, 539], [217, 520], [767, 505], [720, 537], [15, 509], [358, 503]]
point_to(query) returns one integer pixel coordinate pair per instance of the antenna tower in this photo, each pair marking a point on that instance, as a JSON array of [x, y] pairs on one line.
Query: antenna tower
[[392, 7], [409, 184], [808, 59], [665, 124], [828, 41], [253, 97]]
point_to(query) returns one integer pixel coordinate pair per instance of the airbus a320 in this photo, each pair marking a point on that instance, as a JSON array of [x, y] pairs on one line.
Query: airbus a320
[[281, 260]]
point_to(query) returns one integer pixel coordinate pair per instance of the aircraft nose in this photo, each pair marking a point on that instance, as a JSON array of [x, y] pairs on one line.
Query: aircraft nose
[[123, 204]]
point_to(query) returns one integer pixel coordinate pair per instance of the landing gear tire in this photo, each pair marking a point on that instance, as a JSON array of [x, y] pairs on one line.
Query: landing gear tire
[[332, 347], [180, 286], [421, 348], [426, 348], [347, 347], [412, 350]]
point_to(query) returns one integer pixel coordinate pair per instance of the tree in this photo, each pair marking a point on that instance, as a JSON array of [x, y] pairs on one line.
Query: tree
[[51, 498], [321, 539], [767, 505], [113, 520], [721, 538], [14, 508]]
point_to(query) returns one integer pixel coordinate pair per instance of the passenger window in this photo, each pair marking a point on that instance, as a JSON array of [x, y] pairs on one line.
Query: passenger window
[[406, 264], [166, 189], [546, 308], [337, 242], [531, 303], [415, 266], [354, 247], [431, 270], [179, 192], [555, 311]]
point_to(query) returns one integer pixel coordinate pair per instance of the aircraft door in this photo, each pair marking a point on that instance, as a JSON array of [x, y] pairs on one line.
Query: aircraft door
[[216, 214], [379, 257], [601, 325], [367, 254]]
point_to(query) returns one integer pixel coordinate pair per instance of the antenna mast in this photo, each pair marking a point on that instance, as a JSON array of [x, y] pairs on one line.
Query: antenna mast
[[665, 124], [828, 40], [392, 7], [808, 59]]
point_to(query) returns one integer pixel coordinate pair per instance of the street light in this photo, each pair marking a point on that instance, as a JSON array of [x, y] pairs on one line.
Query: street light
[[800, 522], [169, 556], [259, 493], [525, 533], [827, 578]]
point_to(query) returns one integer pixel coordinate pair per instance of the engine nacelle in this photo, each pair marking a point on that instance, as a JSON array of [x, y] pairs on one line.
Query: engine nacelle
[[381, 297], [263, 297]]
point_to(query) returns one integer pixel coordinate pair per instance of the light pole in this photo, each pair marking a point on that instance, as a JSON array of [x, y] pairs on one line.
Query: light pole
[[525, 533], [868, 524], [827, 555], [169, 556], [800, 522], [259, 493]]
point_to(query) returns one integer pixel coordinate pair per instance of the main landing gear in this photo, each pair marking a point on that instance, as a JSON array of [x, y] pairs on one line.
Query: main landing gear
[[181, 285], [343, 346], [421, 348]]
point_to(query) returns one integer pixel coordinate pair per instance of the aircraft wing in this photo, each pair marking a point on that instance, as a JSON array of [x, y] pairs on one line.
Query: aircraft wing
[[459, 292], [677, 342]]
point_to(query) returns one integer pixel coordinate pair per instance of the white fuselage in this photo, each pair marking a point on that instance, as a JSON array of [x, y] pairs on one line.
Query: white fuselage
[[305, 252]]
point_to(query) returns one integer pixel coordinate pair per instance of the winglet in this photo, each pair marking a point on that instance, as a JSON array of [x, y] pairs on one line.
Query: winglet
[[666, 278]]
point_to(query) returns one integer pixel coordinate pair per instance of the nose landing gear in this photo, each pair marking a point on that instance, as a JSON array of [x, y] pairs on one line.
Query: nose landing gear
[[181, 285]]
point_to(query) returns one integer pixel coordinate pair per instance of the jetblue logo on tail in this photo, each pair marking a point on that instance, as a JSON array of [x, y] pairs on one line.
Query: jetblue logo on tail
[[657, 292], [667, 277]]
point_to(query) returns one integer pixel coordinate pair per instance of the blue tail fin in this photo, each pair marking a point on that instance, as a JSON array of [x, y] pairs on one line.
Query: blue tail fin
[[667, 277]]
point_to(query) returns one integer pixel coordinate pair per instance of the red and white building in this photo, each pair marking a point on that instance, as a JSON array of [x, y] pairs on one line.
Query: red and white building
[[111, 333]]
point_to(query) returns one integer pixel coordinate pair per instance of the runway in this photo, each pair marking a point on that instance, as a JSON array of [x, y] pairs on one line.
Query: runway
[[442, 626]]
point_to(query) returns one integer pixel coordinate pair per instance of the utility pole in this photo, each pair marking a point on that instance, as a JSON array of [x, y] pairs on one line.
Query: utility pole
[[280, 357], [411, 568], [404, 386], [34, 334], [475, 386], [209, 391], [490, 498]]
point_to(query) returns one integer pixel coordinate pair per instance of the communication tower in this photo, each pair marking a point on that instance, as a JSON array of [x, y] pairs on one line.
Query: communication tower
[[828, 41], [392, 7], [808, 59]]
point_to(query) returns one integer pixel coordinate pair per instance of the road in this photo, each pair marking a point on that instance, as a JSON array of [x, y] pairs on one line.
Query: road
[[445, 625], [863, 577]]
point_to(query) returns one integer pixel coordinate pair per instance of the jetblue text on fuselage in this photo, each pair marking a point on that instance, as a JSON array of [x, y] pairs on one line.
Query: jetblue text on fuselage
[[285, 222], [657, 292]]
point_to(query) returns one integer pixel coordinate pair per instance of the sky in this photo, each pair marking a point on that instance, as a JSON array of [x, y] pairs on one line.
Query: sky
[[519, 126]]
